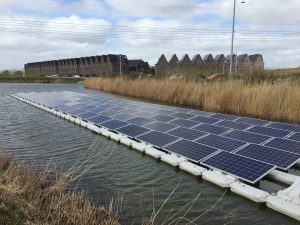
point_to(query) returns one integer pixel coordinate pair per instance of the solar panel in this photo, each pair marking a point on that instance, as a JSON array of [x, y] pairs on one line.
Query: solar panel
[[98, 109], [186, 133], [211, 128], [247, 136], [247, 169], [233, 125], [123, 116], [87, 115], [287, 145], [144, 114], [99, 119], [252, 121], [285, 126], [281, 159], [200, 113], [160, 126], [191, 150], [223, 143], [182, 115], [295, 137], [113, 124], [157, 139], [204, 119], [140, 121], [76, 112], [182, 110], [162, 118], [184, 123], [224, 116], [132, 130], [110, 113], [269, 131], [163, 112]]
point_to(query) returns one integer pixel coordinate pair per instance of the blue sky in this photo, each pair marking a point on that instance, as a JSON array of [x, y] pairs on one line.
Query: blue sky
[[37, 30]]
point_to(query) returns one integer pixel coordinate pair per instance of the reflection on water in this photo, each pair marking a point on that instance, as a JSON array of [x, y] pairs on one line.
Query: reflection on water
[[138, 182]]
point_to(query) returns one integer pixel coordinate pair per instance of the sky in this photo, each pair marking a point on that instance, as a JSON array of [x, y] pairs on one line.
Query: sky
[[39, 30]]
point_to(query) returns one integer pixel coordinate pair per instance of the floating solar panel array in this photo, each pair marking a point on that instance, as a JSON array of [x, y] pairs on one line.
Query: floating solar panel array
[[244, 147]]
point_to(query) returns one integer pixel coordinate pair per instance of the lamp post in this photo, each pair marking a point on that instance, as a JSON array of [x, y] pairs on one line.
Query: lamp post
[[177, 67], [225, 61], [232, 36]]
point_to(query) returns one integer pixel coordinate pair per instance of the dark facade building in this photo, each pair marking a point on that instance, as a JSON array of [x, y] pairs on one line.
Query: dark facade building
[[105, 65], [137, 66]]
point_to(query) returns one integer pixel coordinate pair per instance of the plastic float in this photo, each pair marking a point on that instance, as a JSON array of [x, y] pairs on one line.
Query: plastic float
[[115, 137], [282, 177], [249, 192], [139, 146], [285, 201], [154, 152], [283, 206], [191, 168], [218, 178], [173, 160], [126, 141]]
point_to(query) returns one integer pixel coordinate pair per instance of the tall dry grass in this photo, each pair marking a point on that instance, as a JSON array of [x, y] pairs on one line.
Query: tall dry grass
[[279, 102], [28, 197]]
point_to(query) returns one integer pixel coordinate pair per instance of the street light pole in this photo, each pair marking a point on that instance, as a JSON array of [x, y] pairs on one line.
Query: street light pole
[[177, 67], [232, 38]]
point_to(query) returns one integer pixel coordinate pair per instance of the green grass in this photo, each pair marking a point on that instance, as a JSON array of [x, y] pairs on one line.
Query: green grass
[[34, 79]]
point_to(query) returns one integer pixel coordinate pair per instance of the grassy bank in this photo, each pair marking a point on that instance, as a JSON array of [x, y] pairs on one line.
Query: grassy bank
[[28, 197], [279, 102], [34, 79]]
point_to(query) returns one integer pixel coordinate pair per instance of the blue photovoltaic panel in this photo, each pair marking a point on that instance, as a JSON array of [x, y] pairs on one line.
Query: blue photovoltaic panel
[[98, 110], [113, 124], [163, 112], [117, 108], [162, 118], [186, 133], [295, 137], [247, 169], [132, 130], [247, 136], [182, 115], [224, 116], [184, 123], [99, 119], [269, 131], [140, 121], [191, 150], [130, 111], [76, 112], [200, 113], [87, 107], [211, 128], [160, 126], [144, 114], [287, 145], [204, 119], [110, 113], [157, 139], [285, 126], [233, 125], [182, 110], [87, 115], [123, 116], [252, 121], [281, 159], [223, 143]]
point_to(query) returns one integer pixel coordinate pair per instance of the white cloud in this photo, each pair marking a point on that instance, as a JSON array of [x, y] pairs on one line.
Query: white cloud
[[90, 27]]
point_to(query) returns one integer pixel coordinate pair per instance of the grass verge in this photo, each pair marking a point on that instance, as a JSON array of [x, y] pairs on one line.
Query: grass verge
[[28, 197], [278, 102]]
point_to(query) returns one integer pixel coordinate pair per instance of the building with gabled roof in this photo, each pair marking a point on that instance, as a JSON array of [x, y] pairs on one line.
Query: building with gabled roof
[[162, 65]]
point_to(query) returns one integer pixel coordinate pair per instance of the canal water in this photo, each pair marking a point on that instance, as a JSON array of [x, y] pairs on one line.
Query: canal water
[[137, 183]]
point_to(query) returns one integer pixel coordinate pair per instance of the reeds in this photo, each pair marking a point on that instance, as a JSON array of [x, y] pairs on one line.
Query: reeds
[[278, 102], [28, 197]]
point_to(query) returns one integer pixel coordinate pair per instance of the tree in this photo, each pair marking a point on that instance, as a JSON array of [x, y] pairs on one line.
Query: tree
[[18, 73], [4, 73]]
